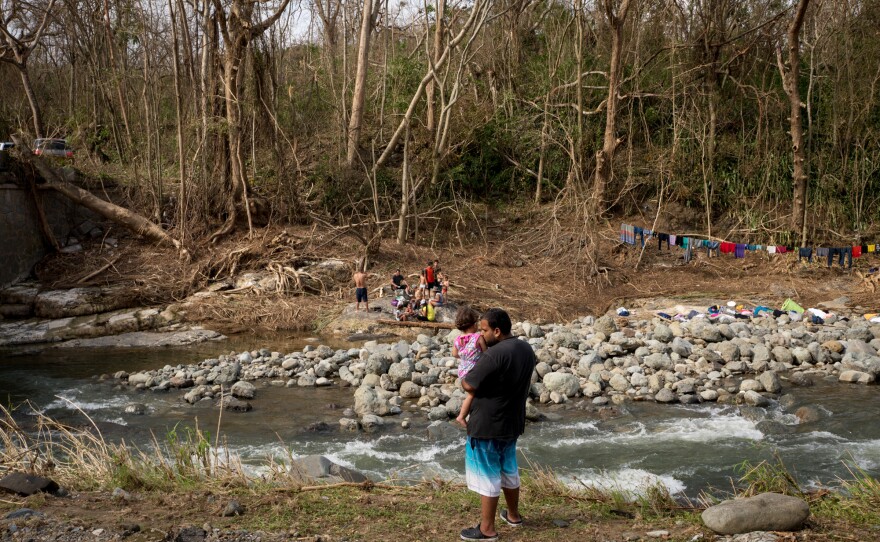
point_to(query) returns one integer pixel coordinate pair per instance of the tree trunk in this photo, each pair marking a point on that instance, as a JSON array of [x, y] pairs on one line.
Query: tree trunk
[[178, 103], [405, 189], [438, 38], [799, 174], [32, 99], [360, 84], [609, 142]]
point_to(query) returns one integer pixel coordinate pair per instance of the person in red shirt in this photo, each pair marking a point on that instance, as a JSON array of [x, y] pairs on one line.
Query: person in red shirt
[[430, 276]]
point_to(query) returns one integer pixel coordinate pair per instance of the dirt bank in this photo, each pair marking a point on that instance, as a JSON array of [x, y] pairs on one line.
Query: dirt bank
[[490, 273]]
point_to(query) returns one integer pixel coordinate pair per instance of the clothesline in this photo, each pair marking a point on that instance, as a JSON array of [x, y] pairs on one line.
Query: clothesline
[[845, 254]]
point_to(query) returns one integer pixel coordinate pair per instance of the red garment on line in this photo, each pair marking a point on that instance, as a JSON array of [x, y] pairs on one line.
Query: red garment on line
[[857, 251]]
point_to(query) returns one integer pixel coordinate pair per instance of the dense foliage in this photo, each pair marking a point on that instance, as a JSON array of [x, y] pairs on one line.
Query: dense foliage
[[516, 110]]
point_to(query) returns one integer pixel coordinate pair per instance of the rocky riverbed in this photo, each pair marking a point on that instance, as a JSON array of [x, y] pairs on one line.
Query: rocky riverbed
[[609, 360]]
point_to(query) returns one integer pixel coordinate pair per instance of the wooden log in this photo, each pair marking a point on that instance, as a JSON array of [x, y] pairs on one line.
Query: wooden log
[[417, 323]]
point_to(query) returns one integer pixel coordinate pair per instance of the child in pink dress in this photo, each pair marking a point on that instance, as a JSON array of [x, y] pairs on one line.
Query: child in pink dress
[[467, 347]]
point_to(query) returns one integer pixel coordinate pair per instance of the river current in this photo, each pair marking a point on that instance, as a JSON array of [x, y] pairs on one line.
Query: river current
[[686, 448]]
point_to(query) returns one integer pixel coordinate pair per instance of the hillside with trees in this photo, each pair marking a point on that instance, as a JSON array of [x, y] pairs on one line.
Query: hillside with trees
[[756, 119]]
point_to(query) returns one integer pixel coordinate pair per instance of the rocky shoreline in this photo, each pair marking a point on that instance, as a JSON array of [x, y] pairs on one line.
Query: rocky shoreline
[[609, 360]]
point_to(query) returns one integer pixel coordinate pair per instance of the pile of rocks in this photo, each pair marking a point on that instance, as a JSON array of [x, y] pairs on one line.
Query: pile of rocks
[[595, 359]]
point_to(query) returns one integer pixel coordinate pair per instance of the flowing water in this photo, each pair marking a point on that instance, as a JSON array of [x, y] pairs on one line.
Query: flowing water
[[687, 448]]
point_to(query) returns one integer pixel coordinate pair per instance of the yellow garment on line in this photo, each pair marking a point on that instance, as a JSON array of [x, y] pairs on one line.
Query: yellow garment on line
[[872, 248]]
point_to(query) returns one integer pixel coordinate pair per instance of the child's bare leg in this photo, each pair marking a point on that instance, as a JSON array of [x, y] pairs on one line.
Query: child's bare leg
[[465, 408]]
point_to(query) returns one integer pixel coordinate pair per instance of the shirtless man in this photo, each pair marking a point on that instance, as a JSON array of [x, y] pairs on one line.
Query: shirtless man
[[360, 292]]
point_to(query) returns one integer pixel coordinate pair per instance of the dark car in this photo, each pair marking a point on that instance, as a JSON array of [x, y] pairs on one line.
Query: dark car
[[52, 147]]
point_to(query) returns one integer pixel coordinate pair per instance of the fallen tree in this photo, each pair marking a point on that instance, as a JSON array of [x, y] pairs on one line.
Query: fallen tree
[[120, 215]]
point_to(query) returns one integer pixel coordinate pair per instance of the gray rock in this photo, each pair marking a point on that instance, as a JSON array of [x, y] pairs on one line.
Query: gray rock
[[409, 390], [729, 351], [136, 409], [800, 379], [782, 354], [605, 324], [760, 354], [855, 377], [401, 371], [243, 390], [750, 385], [682, 347], [22, 513], [709, 395], [306, 381], [453, 406], [318, 466], [862, 363], [371, 422], [189, 534], [438, 413], [665, 396], [234, 405], [754, 398], [707, 332], [808, 414], [764, 512], [368, 401], [443, 430], [662, 333], [770, 381], [24, 484], [233, 508], [121, 494], [349, 424], [564, 383]]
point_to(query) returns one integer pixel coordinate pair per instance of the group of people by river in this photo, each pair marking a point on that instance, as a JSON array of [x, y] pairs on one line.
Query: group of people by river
[[416, 302]]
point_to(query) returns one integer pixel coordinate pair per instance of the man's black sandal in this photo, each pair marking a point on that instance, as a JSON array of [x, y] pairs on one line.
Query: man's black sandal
[[474, 533], [509, 521]]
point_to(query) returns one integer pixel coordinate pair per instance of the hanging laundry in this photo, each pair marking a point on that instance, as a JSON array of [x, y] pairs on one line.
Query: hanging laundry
[[771, 249], [781, 249], [841, 253], [805, 252], [822, 252], [710, 246], [856, 251], [740, 250]]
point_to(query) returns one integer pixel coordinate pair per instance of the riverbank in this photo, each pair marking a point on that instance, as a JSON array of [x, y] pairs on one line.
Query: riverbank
[[270, 511]]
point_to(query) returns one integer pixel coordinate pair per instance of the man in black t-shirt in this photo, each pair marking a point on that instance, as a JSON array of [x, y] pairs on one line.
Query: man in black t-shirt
[[500, 383]]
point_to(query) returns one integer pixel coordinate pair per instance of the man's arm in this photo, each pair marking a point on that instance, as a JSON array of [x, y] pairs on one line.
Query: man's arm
[[467, 387]]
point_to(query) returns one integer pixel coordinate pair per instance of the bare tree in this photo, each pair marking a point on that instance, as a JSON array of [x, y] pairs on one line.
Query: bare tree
[[22, 25], [604, 157], [238, 30], [790, 79], [368, 21]]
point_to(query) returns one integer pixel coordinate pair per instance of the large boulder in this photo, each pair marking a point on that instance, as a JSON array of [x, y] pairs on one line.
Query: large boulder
[[25, 484], [770, 381], [243, 390], [318, 466], [857, 362], [764, 512], [401, 371], [564, 383], [368, 401]]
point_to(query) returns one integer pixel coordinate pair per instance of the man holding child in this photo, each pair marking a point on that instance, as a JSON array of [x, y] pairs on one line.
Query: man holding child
[[500, 382]]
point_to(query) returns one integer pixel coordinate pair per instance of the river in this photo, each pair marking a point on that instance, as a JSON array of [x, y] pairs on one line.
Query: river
[[686, 448]]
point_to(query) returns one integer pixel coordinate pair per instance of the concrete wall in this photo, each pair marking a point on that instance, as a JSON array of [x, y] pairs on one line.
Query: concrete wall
[[22, 243]]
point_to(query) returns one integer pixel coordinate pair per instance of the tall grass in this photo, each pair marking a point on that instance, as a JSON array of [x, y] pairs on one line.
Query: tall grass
[[80, 458]]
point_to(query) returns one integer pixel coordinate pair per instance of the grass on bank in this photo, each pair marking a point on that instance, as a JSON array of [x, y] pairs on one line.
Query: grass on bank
[[185, 465]]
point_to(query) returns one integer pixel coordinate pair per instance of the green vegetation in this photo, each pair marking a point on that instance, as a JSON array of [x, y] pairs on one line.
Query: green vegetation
[[187, 464]]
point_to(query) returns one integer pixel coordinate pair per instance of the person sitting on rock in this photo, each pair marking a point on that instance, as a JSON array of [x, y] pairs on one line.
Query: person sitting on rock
[[398, 282]]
